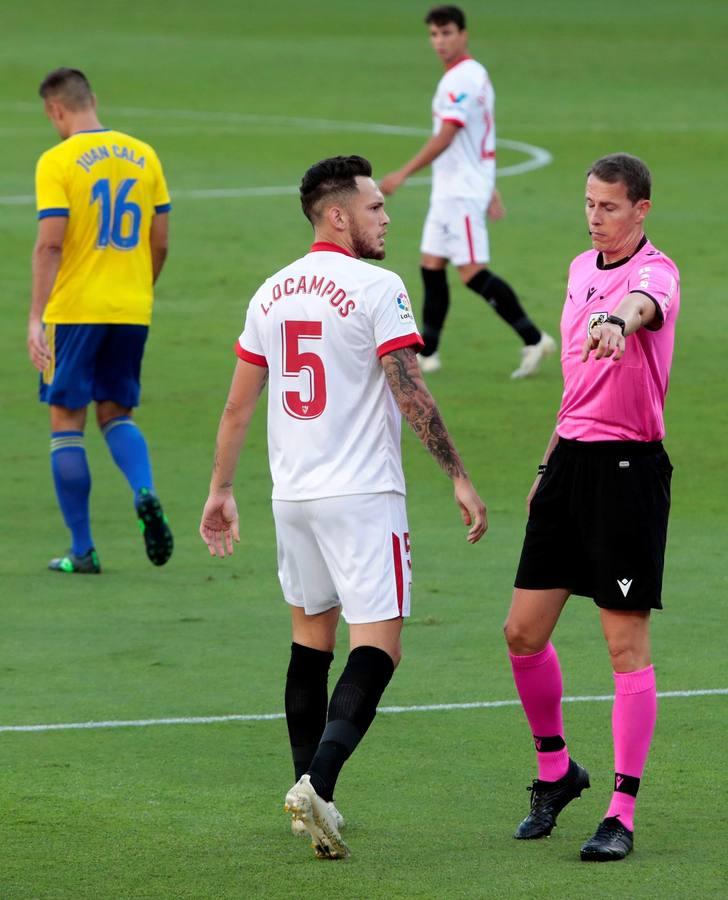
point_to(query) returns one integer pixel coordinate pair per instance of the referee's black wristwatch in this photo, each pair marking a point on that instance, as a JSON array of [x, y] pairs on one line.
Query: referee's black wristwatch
[[615, 320]]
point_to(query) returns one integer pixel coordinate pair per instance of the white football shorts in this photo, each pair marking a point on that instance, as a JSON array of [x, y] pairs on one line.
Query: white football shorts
[[351, 551], [455, 229]]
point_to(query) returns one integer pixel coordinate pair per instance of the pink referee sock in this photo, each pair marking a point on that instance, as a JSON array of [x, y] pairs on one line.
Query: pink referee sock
[[633, 722], [538, 682]]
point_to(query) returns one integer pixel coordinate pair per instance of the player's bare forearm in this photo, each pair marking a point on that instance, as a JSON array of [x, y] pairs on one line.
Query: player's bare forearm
[[637, 310], [159, 243], [429, 152], [550, 447], [46, 263], [432, 148], [247, 385], [159, 257], [418, 407], [47, 257]]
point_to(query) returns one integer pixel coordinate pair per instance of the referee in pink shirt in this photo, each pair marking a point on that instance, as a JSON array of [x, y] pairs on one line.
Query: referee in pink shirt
[[598, 509]]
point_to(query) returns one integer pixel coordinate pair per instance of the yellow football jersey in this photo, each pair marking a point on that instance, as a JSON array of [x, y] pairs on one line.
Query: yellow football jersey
[[109, 185]]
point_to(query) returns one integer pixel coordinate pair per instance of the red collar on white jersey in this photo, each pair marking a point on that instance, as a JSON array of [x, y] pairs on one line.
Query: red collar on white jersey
[[328, 247], [457, 62]]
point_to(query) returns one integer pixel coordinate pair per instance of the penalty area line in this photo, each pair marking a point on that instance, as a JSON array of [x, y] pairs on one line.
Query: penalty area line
[[391, 710]]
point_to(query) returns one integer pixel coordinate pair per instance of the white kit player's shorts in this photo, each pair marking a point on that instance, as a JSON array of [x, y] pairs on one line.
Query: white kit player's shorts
[[455, 229], [351, 551]]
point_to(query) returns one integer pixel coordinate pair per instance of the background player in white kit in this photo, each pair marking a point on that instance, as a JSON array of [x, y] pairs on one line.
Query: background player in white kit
[[336, 340], [462, 154]]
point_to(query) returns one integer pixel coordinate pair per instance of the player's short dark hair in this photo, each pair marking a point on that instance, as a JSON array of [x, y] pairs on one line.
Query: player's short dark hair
[[70, 86], [444, 15], [334, 176], [630, 170]]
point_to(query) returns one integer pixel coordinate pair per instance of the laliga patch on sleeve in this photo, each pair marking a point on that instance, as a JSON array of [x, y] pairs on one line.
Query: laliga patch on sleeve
[[404, 307]]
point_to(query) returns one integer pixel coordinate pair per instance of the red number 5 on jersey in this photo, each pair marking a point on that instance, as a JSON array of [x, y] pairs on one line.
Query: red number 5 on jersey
[[295, 362]]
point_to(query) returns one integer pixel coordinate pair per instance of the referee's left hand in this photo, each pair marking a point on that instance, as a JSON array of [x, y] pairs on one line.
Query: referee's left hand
[[605, 340]]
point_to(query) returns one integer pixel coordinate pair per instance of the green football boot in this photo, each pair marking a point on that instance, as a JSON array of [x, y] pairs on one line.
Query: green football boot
[[88, 564], [154, 527]]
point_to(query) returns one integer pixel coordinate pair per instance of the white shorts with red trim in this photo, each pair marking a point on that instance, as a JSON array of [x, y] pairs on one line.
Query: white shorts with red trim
[[455, 229], [351, 551]]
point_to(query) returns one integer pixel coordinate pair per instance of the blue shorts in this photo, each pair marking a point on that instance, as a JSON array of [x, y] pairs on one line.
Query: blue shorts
[[93, 362]]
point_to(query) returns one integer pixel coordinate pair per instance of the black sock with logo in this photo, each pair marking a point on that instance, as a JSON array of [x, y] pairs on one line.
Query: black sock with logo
[[434, 308], [351, 711], [306, 701], [502, 298]]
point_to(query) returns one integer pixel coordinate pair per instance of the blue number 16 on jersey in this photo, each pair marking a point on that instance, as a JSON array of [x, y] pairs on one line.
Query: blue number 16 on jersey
[[112, 213]]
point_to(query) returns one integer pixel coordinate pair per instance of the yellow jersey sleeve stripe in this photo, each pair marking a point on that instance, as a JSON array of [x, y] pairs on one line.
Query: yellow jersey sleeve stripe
[[162, 208], [60, 211]]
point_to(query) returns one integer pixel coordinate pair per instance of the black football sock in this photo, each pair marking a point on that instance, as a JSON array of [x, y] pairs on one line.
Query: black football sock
[[502, 298], [306, 701], [434, 308], [351, 712]]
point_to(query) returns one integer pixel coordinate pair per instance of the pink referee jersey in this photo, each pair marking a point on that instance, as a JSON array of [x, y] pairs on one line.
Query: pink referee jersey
[[605, 400], [320, 325]]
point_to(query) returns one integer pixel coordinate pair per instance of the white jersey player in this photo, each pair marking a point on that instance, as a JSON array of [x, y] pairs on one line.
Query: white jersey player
[[462, 153], [336, 341], [465, 170], [325, 321]]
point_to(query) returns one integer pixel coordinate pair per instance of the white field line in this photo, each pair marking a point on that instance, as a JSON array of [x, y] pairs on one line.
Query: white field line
[[537, 157], [231, 118], [393, 710]]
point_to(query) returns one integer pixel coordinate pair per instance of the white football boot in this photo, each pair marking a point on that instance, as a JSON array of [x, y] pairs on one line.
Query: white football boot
[[305, 805], [429, 363], [532, 355], [299, 829]]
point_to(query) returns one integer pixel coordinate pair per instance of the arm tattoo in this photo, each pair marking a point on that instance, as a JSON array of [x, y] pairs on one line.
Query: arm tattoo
[[216, 465], [418, 406]]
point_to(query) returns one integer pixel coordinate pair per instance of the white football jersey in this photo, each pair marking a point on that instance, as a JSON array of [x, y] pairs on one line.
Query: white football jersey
[[467, 167], [320, 325]]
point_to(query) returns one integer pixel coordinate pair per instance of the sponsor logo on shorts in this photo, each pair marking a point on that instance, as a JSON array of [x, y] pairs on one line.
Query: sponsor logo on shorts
[[404, 307], [456, 98], [624, 585]]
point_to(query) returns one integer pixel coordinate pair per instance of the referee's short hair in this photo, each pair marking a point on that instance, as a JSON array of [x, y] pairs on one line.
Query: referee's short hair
[[70, 86], [331, 178], [628, 169], [446, 15]]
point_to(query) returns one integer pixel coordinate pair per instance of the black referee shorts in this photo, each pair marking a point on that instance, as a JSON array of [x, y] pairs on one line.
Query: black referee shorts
[[598, 523]]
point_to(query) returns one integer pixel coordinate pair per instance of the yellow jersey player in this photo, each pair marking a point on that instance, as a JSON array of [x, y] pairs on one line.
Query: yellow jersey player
[[103, 210]]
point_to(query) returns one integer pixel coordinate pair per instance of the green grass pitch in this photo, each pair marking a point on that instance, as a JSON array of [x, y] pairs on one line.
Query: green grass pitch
[[239, 96]]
